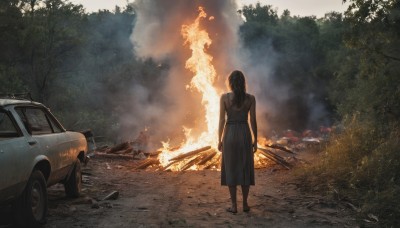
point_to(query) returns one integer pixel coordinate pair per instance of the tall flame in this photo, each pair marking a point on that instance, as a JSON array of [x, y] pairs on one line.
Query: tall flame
[[200, 63]]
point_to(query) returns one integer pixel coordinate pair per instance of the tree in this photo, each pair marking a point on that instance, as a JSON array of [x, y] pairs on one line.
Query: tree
[[362, 162], [51, 37], [296, 51], [11, 27], [374, 32], [265, 14]]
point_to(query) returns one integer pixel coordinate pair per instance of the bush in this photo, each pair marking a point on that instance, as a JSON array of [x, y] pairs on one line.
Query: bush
[[362, 165]]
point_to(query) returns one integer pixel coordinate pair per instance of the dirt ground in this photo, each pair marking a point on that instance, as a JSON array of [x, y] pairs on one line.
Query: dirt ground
[[188, 199]]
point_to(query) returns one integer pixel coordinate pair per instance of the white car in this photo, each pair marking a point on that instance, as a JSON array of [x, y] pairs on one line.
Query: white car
[[35, 153]]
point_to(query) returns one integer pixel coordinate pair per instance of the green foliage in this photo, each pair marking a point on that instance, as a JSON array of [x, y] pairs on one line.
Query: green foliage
[[51, 34], [78, 64], [264, 14], [10, 82], [368, 80], [362, 163]]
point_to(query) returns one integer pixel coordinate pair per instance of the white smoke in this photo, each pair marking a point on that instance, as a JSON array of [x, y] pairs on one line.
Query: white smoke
[[157, 35]]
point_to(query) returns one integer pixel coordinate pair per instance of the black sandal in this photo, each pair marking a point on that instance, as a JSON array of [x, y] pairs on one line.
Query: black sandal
[[231, 210]]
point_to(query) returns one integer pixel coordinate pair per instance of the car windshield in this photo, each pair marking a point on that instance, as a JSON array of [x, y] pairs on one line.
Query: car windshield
[[7, 127]]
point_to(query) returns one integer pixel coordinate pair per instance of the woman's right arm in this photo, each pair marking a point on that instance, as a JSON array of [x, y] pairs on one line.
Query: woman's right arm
[[221, 122], [253, 121]]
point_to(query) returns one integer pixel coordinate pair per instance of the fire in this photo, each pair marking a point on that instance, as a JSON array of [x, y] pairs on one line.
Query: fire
[[200, 64]]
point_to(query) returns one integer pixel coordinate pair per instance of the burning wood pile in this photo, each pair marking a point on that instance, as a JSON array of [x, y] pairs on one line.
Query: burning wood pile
[[199, 159]]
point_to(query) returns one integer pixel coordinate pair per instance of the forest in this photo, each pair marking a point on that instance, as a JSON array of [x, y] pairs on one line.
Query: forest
[[77, 64]]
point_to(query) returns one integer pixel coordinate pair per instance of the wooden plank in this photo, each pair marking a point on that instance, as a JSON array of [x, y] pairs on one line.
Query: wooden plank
[[191, 163], [147, 163], [190, 153], [116, 156], [215, 161], [208, 157], [274, 146], [272, 158], [185, 155], [272, 154], [119, 148]]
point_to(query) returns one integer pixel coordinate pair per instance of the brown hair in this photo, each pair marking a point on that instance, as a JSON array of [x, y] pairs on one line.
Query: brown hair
[[237, 83]]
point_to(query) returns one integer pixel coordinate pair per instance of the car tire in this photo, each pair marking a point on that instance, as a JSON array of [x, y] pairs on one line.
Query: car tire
[[31, 207], [73, 185]]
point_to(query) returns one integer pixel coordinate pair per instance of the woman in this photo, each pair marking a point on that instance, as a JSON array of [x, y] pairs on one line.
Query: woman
[[237, 145]]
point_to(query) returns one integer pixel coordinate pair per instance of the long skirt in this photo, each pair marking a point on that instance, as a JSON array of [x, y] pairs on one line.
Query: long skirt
[[237, 166]]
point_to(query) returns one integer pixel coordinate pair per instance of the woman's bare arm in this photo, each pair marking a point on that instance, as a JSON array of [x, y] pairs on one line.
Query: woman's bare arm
[[221, 121], [253, 121]]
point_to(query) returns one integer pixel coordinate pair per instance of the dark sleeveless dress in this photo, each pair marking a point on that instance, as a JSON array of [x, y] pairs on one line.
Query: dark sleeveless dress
[[237, 166]]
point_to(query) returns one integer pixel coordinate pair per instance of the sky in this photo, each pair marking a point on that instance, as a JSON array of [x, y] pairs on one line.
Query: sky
[[296, 7]]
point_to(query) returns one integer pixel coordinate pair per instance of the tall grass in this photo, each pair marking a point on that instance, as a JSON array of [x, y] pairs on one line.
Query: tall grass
[[362, 164]]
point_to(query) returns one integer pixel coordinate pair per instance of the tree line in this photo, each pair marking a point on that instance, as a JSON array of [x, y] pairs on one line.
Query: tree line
[[80, 64]]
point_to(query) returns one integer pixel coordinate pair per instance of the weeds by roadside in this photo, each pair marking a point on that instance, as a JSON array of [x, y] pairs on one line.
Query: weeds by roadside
[[361, 165]]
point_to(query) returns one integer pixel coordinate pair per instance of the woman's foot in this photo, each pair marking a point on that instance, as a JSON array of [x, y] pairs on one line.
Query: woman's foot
[[246, 208], [232, 210]]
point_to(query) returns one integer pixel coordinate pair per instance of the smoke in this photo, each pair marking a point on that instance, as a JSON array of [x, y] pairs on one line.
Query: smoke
[[157, 35]]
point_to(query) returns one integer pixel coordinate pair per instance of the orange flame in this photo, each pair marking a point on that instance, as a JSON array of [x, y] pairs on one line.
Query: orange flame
[[200, 63]]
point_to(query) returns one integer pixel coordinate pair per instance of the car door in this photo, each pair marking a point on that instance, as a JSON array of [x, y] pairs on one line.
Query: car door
[[15, 156], [53, 141]]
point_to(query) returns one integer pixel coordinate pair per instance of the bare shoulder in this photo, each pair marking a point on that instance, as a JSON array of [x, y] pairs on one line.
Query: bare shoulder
[[224, 96], [251, 97]]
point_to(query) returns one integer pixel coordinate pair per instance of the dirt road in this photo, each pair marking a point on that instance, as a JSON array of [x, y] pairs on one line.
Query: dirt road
[[187, 199]]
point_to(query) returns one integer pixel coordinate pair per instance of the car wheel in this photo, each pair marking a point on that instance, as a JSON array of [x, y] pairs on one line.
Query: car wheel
[[73, 185], [31, 206]]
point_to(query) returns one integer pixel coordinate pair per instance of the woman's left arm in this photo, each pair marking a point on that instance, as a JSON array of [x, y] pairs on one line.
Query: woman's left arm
[[221, 122], [253, 121]]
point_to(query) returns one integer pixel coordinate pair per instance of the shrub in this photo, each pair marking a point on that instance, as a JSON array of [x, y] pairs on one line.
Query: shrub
[[361, 164]]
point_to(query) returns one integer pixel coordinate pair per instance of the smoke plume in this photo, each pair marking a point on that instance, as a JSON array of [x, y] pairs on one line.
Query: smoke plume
[[157, 35]]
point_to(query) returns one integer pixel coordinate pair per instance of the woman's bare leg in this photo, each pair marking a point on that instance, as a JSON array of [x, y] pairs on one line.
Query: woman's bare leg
[[232, 192], [245, 192]]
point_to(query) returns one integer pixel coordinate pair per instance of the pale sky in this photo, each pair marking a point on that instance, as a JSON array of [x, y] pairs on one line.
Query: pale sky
[[296, 7]]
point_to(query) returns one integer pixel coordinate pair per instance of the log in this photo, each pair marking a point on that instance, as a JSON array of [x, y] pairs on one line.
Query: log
[[186, 155], [168, 165], [272, 154], [153, 154], [147, 163], [102, 148], [127, 151], [115, 156], [216, 160], [191, 153], [268, 156], [207, 158], [119, 147], [274, 146], [272, 158], [192, 162]]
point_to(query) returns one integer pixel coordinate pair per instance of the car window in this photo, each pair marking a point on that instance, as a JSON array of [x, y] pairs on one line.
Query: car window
[[35, 120], [54, 125], [7, 126], [22, 116]]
